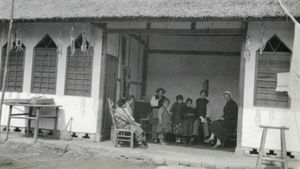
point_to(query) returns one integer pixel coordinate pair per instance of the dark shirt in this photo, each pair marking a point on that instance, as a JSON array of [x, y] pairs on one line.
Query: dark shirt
[[201, 105], [189, 113], [230, 110], [176, 110]]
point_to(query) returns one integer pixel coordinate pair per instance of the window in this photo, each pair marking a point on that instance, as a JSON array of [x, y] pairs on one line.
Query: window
[[44, 67], [14, 79], [79, 71], [274, 59]]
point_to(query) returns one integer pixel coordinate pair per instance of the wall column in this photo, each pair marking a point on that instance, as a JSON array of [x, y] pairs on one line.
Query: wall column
[[238, 149]]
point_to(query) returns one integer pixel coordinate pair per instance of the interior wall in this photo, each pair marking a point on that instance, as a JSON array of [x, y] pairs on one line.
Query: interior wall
[[185, 74], [82, 109], [254, 116]]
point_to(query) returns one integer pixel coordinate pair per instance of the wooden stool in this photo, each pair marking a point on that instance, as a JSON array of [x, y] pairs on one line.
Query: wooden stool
[[283, 158]]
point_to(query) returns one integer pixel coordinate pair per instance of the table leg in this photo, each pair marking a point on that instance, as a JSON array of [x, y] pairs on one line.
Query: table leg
[[8, 122], [29, 121], [36, 130], [261, 148], [56, 120], [284, 165]]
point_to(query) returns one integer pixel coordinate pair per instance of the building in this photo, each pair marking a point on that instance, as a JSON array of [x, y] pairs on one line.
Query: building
[[82, 52]]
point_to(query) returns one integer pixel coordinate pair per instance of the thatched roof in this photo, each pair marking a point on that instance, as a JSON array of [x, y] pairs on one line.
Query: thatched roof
[[141, 9]]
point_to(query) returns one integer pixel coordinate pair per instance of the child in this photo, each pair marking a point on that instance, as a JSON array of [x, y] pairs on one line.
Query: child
[[176, 111], [188, 116], [164, 121]]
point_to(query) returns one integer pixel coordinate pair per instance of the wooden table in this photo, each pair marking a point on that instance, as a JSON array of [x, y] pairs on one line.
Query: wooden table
[[29, 116]]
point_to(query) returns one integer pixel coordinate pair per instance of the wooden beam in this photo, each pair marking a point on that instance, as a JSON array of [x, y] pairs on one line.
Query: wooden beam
[[139, 39], [182, 52], [193, 25], [205, 32], [102, 100], [145, 68]]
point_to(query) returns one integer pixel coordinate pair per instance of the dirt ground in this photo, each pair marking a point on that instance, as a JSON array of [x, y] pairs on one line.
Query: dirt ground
[[21, 156]]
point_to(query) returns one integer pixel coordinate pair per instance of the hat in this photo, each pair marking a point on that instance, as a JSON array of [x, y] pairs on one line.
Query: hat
[[160, 89], [121, 102], [179, 97], [227, 92], [189, 100]]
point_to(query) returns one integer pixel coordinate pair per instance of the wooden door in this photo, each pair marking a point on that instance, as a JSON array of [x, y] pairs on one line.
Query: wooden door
[[111, 80]]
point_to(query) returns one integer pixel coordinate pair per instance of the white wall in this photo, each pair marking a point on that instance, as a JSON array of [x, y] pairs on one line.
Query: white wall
[[82, 109], [254, 116], [185, 74]]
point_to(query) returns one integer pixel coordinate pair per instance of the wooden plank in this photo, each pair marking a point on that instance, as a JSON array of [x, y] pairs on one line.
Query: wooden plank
[[102, 87], [140, 40], [198, 32], [181, 52]]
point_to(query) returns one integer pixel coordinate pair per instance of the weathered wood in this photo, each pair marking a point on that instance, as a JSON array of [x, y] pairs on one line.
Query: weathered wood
[[145, 69], [261, 149], [182, 52], [204, 32], [274, 127], [140, 40], [36, 130], [102, 88]]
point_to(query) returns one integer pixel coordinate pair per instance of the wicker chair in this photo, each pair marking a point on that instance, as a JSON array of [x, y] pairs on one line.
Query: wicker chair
[[119, 135]]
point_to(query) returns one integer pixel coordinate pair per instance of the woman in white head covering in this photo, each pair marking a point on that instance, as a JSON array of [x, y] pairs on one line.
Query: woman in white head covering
[[222, 127]]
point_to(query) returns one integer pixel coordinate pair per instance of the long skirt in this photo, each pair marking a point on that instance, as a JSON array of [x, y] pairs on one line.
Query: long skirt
[[177, 129], [187, 127], [222, 128], [153, 120]]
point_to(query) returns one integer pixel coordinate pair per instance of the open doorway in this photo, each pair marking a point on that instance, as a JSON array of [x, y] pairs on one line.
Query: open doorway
[[178, 63]]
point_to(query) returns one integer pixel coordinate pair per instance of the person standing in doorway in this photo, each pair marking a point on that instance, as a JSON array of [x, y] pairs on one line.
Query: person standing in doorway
[[156, 103], [203, 109], [176, 111], [164, 121]]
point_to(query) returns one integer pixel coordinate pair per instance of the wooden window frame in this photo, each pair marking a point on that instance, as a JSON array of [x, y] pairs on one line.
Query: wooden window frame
[[91, 57], [256, 80], [33, 71], [3, 55]]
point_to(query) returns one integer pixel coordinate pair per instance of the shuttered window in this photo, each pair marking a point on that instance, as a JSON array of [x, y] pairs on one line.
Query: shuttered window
[[44, 67], [15, 73], [275, 58], [79, 71]]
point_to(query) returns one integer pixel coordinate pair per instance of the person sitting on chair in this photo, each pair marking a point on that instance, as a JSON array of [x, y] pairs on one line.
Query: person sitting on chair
[[125, 121], [203, 108], [222, 127]]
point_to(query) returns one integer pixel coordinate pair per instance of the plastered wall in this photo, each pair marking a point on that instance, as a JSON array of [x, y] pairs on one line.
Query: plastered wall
[[82, 109], [254, 116], [185, 74]]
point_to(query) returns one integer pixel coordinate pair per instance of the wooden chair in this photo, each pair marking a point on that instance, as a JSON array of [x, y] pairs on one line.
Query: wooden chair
[[116, 133]]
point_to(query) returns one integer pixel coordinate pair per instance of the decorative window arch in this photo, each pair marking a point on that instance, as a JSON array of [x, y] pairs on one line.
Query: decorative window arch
[[275, 58], [15, 74], [79, 69], [44, 73]]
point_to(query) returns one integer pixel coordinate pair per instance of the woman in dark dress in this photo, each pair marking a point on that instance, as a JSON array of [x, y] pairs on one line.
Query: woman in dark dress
[[156, 103], [222, 127], [188, 115]]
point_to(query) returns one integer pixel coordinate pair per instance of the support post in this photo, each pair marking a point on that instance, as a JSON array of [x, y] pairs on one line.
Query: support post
[[6, 61], [238, 149], [101, 102]]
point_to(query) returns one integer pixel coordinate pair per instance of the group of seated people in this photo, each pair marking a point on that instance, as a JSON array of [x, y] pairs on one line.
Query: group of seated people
[[183, 119]]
